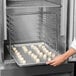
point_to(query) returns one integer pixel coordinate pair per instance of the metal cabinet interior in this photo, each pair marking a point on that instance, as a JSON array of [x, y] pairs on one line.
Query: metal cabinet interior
[[46, 23]]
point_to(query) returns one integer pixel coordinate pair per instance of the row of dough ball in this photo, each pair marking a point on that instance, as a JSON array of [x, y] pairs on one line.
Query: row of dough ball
[[35, 56], [25, 49], [45, 51], [37, 60], [21, 59], [40, 54], [35, 49], [38, 51], [49, 53], [31, 54]]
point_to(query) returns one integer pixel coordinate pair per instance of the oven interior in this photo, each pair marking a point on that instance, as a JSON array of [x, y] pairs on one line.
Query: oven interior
[[33, 32]]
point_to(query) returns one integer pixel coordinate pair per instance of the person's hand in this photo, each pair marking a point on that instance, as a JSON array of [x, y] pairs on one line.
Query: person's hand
[[57, 60], [61, 58]]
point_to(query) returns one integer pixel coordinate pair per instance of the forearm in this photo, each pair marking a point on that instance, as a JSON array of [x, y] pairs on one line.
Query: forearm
[[69, 53]]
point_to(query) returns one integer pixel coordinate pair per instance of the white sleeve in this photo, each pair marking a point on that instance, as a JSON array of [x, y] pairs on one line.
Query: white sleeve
[[73, 45]]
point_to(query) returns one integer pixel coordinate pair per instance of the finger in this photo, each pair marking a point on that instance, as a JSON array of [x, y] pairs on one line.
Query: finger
[[50, 62], [53, 64]]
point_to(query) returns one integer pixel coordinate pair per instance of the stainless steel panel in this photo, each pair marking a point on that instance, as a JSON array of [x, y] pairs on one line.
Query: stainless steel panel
[[40, 70], [5, 22], [25, 28], [72, 23], [36, 3], [40, 25], [75, 20], [53, 1], [1, 32]]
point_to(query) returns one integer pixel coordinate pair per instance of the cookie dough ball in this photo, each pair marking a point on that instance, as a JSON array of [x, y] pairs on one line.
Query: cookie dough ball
[[30, 52], [37, 60], [41, 54], [43, 47], [25, 49], [32, 46], [36, 49], [23, 61], [44, 56], [38, 52], [14, 48], [21, 58], [49, 54], [18, 53], [32, 55], [49, 59], [45, 50], [35, 57]]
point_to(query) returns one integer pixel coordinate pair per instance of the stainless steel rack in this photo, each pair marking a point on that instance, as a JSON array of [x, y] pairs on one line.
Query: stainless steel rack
[[43, 26]]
